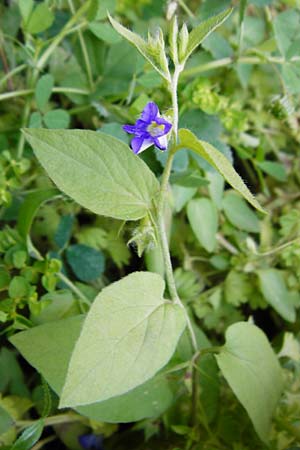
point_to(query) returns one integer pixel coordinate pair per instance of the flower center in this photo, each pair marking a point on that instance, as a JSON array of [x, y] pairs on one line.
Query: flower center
[[155, 129]]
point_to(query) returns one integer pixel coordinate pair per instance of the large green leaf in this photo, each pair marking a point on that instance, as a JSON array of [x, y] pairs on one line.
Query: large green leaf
[[274, 290], [203, 30], [250, 367], [219, 162], [129, 334], [203, 217], [147, 400], [98, 171]]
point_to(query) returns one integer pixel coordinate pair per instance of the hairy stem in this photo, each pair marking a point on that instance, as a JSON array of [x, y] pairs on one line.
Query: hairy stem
[[161, 207]]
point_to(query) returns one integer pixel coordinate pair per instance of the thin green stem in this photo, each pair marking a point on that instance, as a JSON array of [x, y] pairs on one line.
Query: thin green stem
[[223, 62], [43, 442], [58, 90], [57, 40], [83, 299], [161, 207], [12, 73], [186, 8], [83, 49], [52, 420]]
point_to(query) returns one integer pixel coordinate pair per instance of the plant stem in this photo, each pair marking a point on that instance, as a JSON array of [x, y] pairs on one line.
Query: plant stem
[[161, 206], [83, 49], [58, 90], [12, 73], [223, 62], [52, 420], [57, 40], [80, 295]]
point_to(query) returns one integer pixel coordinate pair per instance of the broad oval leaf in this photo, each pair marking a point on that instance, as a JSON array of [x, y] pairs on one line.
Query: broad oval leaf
[[129, 334], [204, 29], [148, 400], [251, 369], [275, 292], [219, 162], [98, 171], [203, 217]]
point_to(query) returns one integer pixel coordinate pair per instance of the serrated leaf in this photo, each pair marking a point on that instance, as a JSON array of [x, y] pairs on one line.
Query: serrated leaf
[[250, 367], [133, 332], [198, 34], [43, 90], [140, 44], [219, 162], [98, 171], [203, 217], [275, 292], [147, 400]]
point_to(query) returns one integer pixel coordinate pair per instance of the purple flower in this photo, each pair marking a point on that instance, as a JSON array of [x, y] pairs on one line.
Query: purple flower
[[91, 441], [149, 129]]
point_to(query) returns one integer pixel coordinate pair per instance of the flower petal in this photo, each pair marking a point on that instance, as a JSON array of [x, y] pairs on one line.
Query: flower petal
[[139, 144], [150, 112], [161, 142], [167, 125], [129, 128]]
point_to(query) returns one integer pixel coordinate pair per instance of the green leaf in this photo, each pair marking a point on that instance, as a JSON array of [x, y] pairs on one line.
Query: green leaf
[[188, 178], [19, 287], [98, 171], [275, 169], [143, 47], [64, 231], [203, 30], [43, 90], [291, 77], [147, 400], [203, 217], [87, 263], [286, 29], [25, 7], [274, 290], [35, 120], [133, 332], [6, 421], [28, 210], [251, 369], [104, 32], [219, 162], [57, 118], [29, 436], [239, 214], [40, 19]]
